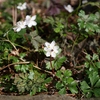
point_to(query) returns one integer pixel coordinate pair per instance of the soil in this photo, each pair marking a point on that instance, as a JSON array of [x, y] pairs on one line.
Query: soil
[[37, 97], [42, 97]]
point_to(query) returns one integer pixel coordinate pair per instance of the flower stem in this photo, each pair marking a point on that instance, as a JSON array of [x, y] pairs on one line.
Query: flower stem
[[53, 72]]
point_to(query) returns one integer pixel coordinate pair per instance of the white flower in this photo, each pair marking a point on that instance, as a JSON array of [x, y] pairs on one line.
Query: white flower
[[51, 49], [69, 8], [22, 6], [20, 25], [84, 1], [29, 21]]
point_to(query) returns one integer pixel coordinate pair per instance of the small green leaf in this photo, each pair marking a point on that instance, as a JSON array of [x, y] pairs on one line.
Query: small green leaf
[[34, 90], [48, 80], [97, 64], [73, 89], [59, 74], [70, 80], [94, 77], [48, 65], [62, 91], [36, 40], [31, 74], [59, 62], [96, 92], [95, 57], [84, 86], [88, 94], [88, 57], [87, 64], [67, 73], [98, 83], [59, 85]]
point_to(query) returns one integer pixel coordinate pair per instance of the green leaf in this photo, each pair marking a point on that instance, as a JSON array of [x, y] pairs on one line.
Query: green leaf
[[31, 74], [88, 57], [88, 94], [73, 89], [36, 40], [97, 64], [81, 13], [59, 74], [69, 80], [49, 20], [84, 86], [48, 80], [48, 65], [98, 83], [62, 91], [67, 73], [87, 64], [94, 77], [22, 55], [59, 62], [59, 85], [34, 90], [95, 57], [96, 92], [17, 67]]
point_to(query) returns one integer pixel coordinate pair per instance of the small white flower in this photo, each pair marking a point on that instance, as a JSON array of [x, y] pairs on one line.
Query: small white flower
[[20, 25], [69, 8], [22, 6], [84, 1], [51, 49], [30, 21]]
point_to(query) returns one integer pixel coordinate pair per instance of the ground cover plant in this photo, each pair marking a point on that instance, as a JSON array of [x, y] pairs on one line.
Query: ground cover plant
[[50, 46]]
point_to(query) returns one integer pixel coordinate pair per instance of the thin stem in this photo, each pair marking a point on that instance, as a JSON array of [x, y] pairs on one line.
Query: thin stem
[[11, 44], [22, 15], [53, 72], [17, 63]]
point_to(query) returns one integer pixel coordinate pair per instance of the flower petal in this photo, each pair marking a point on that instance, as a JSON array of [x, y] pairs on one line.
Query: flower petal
[[33, 17], [27, 17], [53, 54], [47, 44], [47, 54], [33, 23]]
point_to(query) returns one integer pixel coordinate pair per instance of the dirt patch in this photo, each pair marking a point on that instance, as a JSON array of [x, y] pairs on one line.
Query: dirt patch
[[37, 97]]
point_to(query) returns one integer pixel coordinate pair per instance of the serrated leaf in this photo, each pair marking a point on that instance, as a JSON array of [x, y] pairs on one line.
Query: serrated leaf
[[59, 74], [59, 62], [62, 91], [34, 90], [48, 80], [59, 85], [96, 92], [31, 74], [73, 89], [36, 40], [88, 94], [48, 65], [67, 73], [94, 77], [84, 86], [88, 57], [69, 80], [98, 83], [97, 64]]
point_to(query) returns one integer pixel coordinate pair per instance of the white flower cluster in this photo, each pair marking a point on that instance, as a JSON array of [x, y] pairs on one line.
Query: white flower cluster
[[29, 21], [22, 6], [69, 8], [19, 25], [51, 49]]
